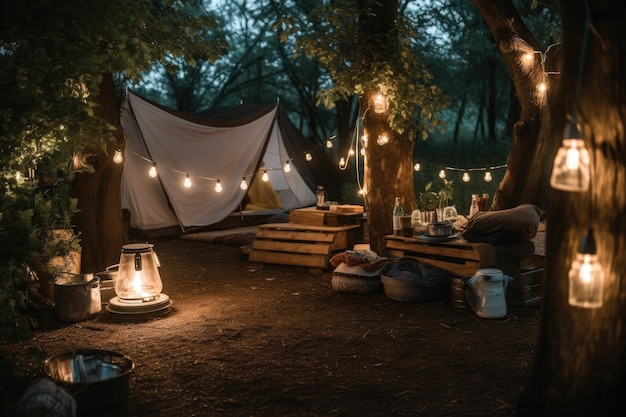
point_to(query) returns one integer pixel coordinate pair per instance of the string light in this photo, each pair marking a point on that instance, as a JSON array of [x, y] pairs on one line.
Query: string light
[[308, 157], [342, 163], [466, 176], [265, 177], [417, 166], [442, 174], [243, 185], [118, 158], [218, 186], [153, 171], [187, 182], [329, 142], [488, 176], [380, 103], [287, 167], [586, 277], [382, 139]]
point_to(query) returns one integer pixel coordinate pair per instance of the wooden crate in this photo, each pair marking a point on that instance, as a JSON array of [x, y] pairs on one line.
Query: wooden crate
[[314, 217], [462, 259], [458, 257], [301, 244]]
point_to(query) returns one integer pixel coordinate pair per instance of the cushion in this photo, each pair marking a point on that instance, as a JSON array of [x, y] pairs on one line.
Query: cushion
[[504, 226]]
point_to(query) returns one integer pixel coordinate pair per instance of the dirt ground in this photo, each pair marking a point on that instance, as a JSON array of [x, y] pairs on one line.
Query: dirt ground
[[246, 339]]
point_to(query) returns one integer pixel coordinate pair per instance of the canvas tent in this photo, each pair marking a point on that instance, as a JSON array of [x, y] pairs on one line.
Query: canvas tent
[[228, 146]]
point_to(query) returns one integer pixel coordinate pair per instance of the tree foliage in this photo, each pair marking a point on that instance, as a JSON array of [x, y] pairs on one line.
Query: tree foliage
[[358, 64], [54, 55]]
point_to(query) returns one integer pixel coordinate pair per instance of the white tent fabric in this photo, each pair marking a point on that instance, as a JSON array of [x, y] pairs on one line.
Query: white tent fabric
[[181, 147]]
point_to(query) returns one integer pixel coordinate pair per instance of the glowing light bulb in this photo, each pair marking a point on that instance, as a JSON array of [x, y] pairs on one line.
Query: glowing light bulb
[[362, 151], [542, 87], [528, 57], [342, 163], [329, 144], [570, 171], [265, 177], [417, 166], [380, 103], [382, 139], [153, 171], [586, 276], [442, 174], [187, 182], [308, 156], [488, 176], [351, 152], [244, 184], [118, 158], [218, 186], [287, 167], [466, 176]]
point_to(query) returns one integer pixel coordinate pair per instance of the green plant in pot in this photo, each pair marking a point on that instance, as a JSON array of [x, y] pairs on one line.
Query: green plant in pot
[[57, 245], [429, 201]]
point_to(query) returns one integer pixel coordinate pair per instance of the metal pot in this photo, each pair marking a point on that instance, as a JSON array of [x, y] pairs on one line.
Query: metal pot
[[107, 283], [440, 229]]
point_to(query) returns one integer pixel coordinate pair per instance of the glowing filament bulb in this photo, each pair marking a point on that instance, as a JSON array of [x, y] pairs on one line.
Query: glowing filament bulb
[[351, 152], [442, 174], [287, 167], [362, 151], [117, 157], [187, 182], [329, 144], [218, 186], [572, 160], [382, 139], [308, 156], [417, 166], [488, 176], [265, 176], [153, 170], [244, 184], [528, 57], [542, 87], [342, 163], [466, 176]]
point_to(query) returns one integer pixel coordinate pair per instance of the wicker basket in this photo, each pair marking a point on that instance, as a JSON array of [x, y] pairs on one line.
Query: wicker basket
[[355, 284]]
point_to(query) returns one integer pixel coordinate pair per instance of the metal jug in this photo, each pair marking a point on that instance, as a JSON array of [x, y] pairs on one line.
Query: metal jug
[[485, 293]]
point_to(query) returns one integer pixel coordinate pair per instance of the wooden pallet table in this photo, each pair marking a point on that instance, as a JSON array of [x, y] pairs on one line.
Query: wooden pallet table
[[461, 259], [302, 244]]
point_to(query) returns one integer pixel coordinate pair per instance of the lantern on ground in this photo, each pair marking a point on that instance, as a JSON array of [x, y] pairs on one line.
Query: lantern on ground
[[138, 285]]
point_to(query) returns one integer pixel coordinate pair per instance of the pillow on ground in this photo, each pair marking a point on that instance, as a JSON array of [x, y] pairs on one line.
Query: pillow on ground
[[507, 226]]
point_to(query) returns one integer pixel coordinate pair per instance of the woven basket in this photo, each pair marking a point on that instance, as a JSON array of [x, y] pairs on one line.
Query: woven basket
[[355, 284]]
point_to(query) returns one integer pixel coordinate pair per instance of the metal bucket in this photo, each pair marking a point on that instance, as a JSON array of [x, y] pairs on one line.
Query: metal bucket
[[76, 296], [97, 379]]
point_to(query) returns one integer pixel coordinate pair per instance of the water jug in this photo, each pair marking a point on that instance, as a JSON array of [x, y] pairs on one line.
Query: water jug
[[485, 293]]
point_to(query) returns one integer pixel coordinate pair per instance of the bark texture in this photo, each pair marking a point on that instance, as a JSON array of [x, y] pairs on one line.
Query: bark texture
[[526, 177], [99, 194], [581, 355]]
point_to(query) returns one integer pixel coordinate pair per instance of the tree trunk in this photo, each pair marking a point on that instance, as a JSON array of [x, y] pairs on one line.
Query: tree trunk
[[99, 197], [580, 366], [389, 167], [525, 180]]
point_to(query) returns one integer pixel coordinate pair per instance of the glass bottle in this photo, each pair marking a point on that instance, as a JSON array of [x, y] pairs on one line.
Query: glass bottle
[[474, 206], [398, 211]]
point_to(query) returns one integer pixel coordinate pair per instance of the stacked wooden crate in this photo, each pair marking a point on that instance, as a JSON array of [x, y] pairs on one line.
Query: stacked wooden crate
[[310, 238]]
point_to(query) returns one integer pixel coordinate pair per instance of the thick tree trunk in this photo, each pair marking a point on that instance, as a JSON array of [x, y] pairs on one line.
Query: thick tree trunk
[[580, 367], [389, 166], [99, 197], [525, 180]]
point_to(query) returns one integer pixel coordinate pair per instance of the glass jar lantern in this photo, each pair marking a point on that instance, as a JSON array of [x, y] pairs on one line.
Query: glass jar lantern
[[138, 275]]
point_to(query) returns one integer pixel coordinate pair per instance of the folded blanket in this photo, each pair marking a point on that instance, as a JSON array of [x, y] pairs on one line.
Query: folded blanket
[[366, 259]]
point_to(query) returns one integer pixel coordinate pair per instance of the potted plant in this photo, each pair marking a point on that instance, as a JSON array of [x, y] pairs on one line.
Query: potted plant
[[430, 201], [56, 244]]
